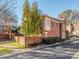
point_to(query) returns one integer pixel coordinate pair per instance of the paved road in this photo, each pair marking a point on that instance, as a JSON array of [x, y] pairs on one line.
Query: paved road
[[68, 50]]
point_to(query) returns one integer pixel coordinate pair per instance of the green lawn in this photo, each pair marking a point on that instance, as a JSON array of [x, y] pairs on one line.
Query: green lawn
[[6, 47], [13, 44], [4, 50], [17, 45]]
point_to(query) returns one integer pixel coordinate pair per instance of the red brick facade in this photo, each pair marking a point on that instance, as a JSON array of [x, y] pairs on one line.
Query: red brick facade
[[57, 28], [50, 27]]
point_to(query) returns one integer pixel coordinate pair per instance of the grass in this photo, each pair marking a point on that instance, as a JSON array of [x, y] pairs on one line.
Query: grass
[[4, 50], [13, 44], [17, 45]]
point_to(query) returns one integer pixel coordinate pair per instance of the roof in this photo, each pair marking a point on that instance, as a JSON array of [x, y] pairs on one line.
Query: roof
[[51, 18]]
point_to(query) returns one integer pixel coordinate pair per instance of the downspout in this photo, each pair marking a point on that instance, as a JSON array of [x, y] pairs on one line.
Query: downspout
[[60, 30]]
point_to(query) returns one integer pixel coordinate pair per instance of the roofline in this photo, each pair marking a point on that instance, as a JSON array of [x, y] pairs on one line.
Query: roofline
[[51, 18]]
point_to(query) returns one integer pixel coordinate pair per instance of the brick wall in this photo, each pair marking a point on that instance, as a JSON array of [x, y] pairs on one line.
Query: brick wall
[[54, 32], [29, 40]]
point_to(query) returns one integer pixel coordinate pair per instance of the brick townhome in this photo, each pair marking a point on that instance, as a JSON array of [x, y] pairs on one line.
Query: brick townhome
[[52, 27]]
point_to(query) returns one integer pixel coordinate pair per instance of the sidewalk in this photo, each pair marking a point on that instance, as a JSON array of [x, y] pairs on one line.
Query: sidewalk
[[15, 51]]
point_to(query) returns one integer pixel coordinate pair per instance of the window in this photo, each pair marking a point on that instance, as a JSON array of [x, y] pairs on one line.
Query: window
[[47, 24]]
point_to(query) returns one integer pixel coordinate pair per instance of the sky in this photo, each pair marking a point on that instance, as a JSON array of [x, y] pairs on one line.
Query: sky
[[50, 7]]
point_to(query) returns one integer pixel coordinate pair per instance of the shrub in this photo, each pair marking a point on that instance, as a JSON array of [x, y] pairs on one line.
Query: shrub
[[50, 40]]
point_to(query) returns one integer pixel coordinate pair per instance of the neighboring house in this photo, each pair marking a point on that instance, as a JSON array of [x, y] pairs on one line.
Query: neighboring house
[[69, 29], [52, 27], [76, 29], [73, 30]]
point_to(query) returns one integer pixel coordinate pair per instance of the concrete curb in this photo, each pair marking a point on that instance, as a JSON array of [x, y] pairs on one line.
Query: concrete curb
[[40, 47]]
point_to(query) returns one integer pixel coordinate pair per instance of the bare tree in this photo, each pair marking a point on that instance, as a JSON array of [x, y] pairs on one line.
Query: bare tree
[[8, 16], [71, 18], [75, 16], [64, 16], [7, 9]]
